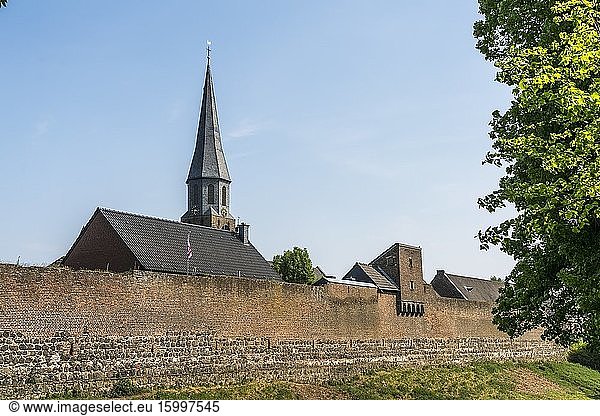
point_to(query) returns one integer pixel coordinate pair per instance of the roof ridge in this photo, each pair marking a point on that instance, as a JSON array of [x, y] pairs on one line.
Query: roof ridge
[[103, 209], [393, 246], [408, 245], [384, 252], [471, 277]]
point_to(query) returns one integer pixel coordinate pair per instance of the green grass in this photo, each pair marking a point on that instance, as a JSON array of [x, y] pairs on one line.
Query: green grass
[[473, 381], [574, 379], [249, 391], [480, 380]]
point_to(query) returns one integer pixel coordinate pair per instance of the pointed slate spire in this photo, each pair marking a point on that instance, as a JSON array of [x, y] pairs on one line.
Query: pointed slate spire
[[208, 160]]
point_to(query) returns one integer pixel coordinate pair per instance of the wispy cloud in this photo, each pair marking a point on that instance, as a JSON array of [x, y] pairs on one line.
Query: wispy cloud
[[245, 128], [41, 128]]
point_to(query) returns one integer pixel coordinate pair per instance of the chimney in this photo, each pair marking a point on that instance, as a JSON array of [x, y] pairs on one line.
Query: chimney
[[441, 273], [243, 231]]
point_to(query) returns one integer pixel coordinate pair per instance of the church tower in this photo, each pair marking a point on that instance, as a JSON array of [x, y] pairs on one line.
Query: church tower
[[208, 179]]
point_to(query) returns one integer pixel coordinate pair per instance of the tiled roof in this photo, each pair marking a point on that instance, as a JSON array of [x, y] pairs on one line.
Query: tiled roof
[[470, 288], [318, 272], [161, 245], [378, 277], [444, 287], [366, 274]]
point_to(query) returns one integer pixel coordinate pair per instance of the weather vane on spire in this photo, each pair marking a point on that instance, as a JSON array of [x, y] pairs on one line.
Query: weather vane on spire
[[208, 43]]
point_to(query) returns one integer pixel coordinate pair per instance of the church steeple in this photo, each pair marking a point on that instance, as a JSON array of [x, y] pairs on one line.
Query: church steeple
[[208, 180], [209, 159]]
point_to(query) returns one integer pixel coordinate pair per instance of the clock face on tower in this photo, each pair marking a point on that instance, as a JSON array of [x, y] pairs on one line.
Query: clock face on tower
[[224, 211]]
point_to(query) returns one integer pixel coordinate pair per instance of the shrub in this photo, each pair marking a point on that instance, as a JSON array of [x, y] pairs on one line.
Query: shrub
[[124, 388], [582, 353]]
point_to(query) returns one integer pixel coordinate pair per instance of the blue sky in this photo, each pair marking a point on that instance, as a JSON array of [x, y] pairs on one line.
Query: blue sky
[[347, 125]]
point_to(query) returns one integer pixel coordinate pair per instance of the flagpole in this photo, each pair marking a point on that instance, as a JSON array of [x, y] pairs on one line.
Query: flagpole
[[189, 254]]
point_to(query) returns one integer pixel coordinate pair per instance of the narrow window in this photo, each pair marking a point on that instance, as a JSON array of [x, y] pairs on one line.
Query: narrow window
[[195, 195], [224, 196], [412, 285], [211, 194], [410, 262]]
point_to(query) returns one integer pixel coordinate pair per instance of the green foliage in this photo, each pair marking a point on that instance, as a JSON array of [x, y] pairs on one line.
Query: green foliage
[[124, 388], [294, 266], [548, 141], [512, 23], [581, 353]]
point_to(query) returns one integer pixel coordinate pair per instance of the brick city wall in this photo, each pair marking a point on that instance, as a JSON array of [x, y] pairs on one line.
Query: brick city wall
[[41, 301], [236, 328], [42, 367]]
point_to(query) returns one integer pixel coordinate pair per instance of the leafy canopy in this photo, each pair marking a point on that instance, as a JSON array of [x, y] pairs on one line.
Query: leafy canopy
[[294, 266], [548, 141]]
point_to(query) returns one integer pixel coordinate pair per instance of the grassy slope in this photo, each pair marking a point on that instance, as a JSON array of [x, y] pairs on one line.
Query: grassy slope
[[484, 380]]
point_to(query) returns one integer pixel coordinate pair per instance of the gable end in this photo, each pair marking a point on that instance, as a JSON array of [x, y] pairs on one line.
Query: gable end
[[99, 247]]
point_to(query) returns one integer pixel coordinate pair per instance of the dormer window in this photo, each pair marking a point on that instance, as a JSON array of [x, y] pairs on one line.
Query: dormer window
[[468, 288]]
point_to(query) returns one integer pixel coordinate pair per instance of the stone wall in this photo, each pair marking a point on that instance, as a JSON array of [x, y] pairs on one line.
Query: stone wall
[[223, 329], [40, 367]]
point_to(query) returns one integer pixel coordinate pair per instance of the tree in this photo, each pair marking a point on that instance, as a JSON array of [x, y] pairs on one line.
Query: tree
[[294, 266], [548, 141]]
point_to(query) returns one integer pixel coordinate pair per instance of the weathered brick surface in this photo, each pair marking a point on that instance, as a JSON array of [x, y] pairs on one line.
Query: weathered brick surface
[[84, 330], [42, 301]]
